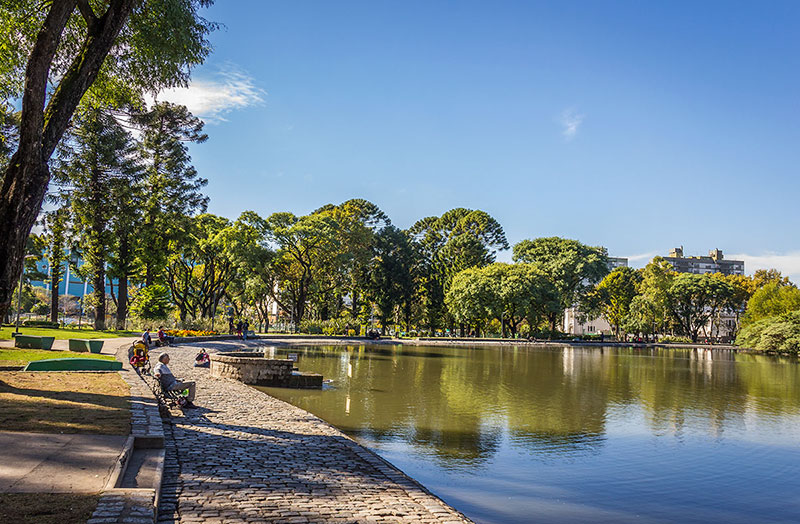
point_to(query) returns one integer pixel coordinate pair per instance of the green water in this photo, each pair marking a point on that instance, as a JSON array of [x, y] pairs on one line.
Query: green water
[[573, 435]]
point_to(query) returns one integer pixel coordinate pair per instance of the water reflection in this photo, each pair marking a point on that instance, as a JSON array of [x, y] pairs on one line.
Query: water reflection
[[449, 414]]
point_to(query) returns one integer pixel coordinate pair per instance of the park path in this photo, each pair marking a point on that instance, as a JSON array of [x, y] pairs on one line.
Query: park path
[[244, 456]]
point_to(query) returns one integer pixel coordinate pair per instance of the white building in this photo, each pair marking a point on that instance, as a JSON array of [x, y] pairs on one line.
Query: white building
[[576, 323]]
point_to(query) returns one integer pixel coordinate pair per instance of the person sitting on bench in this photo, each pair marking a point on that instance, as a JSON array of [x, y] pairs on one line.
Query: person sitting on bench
[[163, 338], [169, 382]]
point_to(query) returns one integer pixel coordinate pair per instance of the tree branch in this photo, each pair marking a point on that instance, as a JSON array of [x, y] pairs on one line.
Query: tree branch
[[83, 71], [88, 14]]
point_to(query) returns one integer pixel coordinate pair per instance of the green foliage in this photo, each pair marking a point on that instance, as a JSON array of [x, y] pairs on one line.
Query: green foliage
[[330, 327], [460, 239], [773, 299], [307, 253], [390, 281], [40, 308], [573, 268], [762, 277], [657, 278], [643, 316], [616, 292], [152, 303], [694, 299], [172, 186], [474, 297], [675, 339], [161, 41], [510, 293], [780, 333], [40, 323]]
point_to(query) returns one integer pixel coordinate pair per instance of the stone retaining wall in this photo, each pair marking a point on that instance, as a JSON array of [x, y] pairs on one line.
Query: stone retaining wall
[[254, 370]]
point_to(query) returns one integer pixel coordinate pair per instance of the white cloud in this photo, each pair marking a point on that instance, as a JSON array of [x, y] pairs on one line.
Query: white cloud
[[570, 120], [786, 263], [211, 99], [641, 259]]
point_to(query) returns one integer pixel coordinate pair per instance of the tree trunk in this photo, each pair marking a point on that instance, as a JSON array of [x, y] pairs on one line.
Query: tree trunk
[[99, 284], [122, 302], [55, 276], [26, 178]]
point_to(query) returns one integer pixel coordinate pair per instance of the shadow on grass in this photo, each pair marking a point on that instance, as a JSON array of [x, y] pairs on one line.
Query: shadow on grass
[[46, 508], [64, 402]]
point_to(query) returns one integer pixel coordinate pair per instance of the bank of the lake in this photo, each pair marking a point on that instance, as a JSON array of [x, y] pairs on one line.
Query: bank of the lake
[[523, 433], [244, 456]]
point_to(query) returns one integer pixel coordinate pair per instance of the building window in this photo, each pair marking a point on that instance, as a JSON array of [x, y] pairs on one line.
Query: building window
[[590, 329]]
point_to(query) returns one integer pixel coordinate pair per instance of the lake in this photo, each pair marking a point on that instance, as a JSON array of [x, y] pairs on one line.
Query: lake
[[519, 434]]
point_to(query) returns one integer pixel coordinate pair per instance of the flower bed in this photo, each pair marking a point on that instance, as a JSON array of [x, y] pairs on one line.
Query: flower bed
[[190, 333]]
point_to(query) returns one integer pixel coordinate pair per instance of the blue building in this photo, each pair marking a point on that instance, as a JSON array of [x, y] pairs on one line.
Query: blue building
[[70, 283]]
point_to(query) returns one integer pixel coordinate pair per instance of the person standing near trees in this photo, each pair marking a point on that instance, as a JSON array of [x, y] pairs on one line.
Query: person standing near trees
[[146, 339]]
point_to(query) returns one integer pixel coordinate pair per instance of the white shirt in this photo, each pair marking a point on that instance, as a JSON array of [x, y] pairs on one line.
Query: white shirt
[[164, 374]]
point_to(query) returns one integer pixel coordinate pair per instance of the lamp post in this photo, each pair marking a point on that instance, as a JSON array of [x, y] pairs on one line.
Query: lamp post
[[19, 291]]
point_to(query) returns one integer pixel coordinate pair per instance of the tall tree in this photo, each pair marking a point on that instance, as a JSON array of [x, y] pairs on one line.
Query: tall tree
[[510, 293], [98, 162], [306, 248], [201, 268], [53, 52], [573, 268], [762, 277], [391, 284], [459, 239], [126, 245], [694, 299], [616, 292], [172, 185], [359, 222], [56, 231], [657, 278], [772, 300]]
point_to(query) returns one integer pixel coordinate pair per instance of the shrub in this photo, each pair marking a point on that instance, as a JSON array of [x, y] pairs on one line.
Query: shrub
[[674, 339], [780, 333], [152, 303], [40, 323]]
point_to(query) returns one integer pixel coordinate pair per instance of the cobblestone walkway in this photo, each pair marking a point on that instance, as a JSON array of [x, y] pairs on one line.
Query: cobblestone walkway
[[244, 456]]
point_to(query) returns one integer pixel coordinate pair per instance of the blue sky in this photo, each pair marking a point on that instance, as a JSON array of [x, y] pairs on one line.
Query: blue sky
[[634, 125]]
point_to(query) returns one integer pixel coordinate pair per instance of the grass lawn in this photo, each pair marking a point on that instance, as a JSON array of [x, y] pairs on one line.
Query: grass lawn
[[20, 357], [64, 402], [64, 333], [47, 508]]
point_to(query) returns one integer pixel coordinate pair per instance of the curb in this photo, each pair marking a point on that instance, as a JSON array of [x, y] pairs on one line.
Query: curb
[[135, 505]]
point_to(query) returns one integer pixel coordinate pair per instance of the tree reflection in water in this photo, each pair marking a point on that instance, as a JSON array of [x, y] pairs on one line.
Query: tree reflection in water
[[499, 412]]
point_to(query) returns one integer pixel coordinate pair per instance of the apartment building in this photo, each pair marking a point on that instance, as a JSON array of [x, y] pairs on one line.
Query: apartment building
[[713, 263]]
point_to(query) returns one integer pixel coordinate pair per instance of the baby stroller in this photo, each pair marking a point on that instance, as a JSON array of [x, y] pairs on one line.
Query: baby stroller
[[140, 357]]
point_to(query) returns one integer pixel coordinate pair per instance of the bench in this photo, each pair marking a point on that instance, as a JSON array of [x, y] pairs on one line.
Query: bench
[[164, 397], [73, 364], [33, 341], [83, 345]]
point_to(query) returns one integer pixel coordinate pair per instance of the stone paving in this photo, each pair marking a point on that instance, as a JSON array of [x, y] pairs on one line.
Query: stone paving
[[244, 456]]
